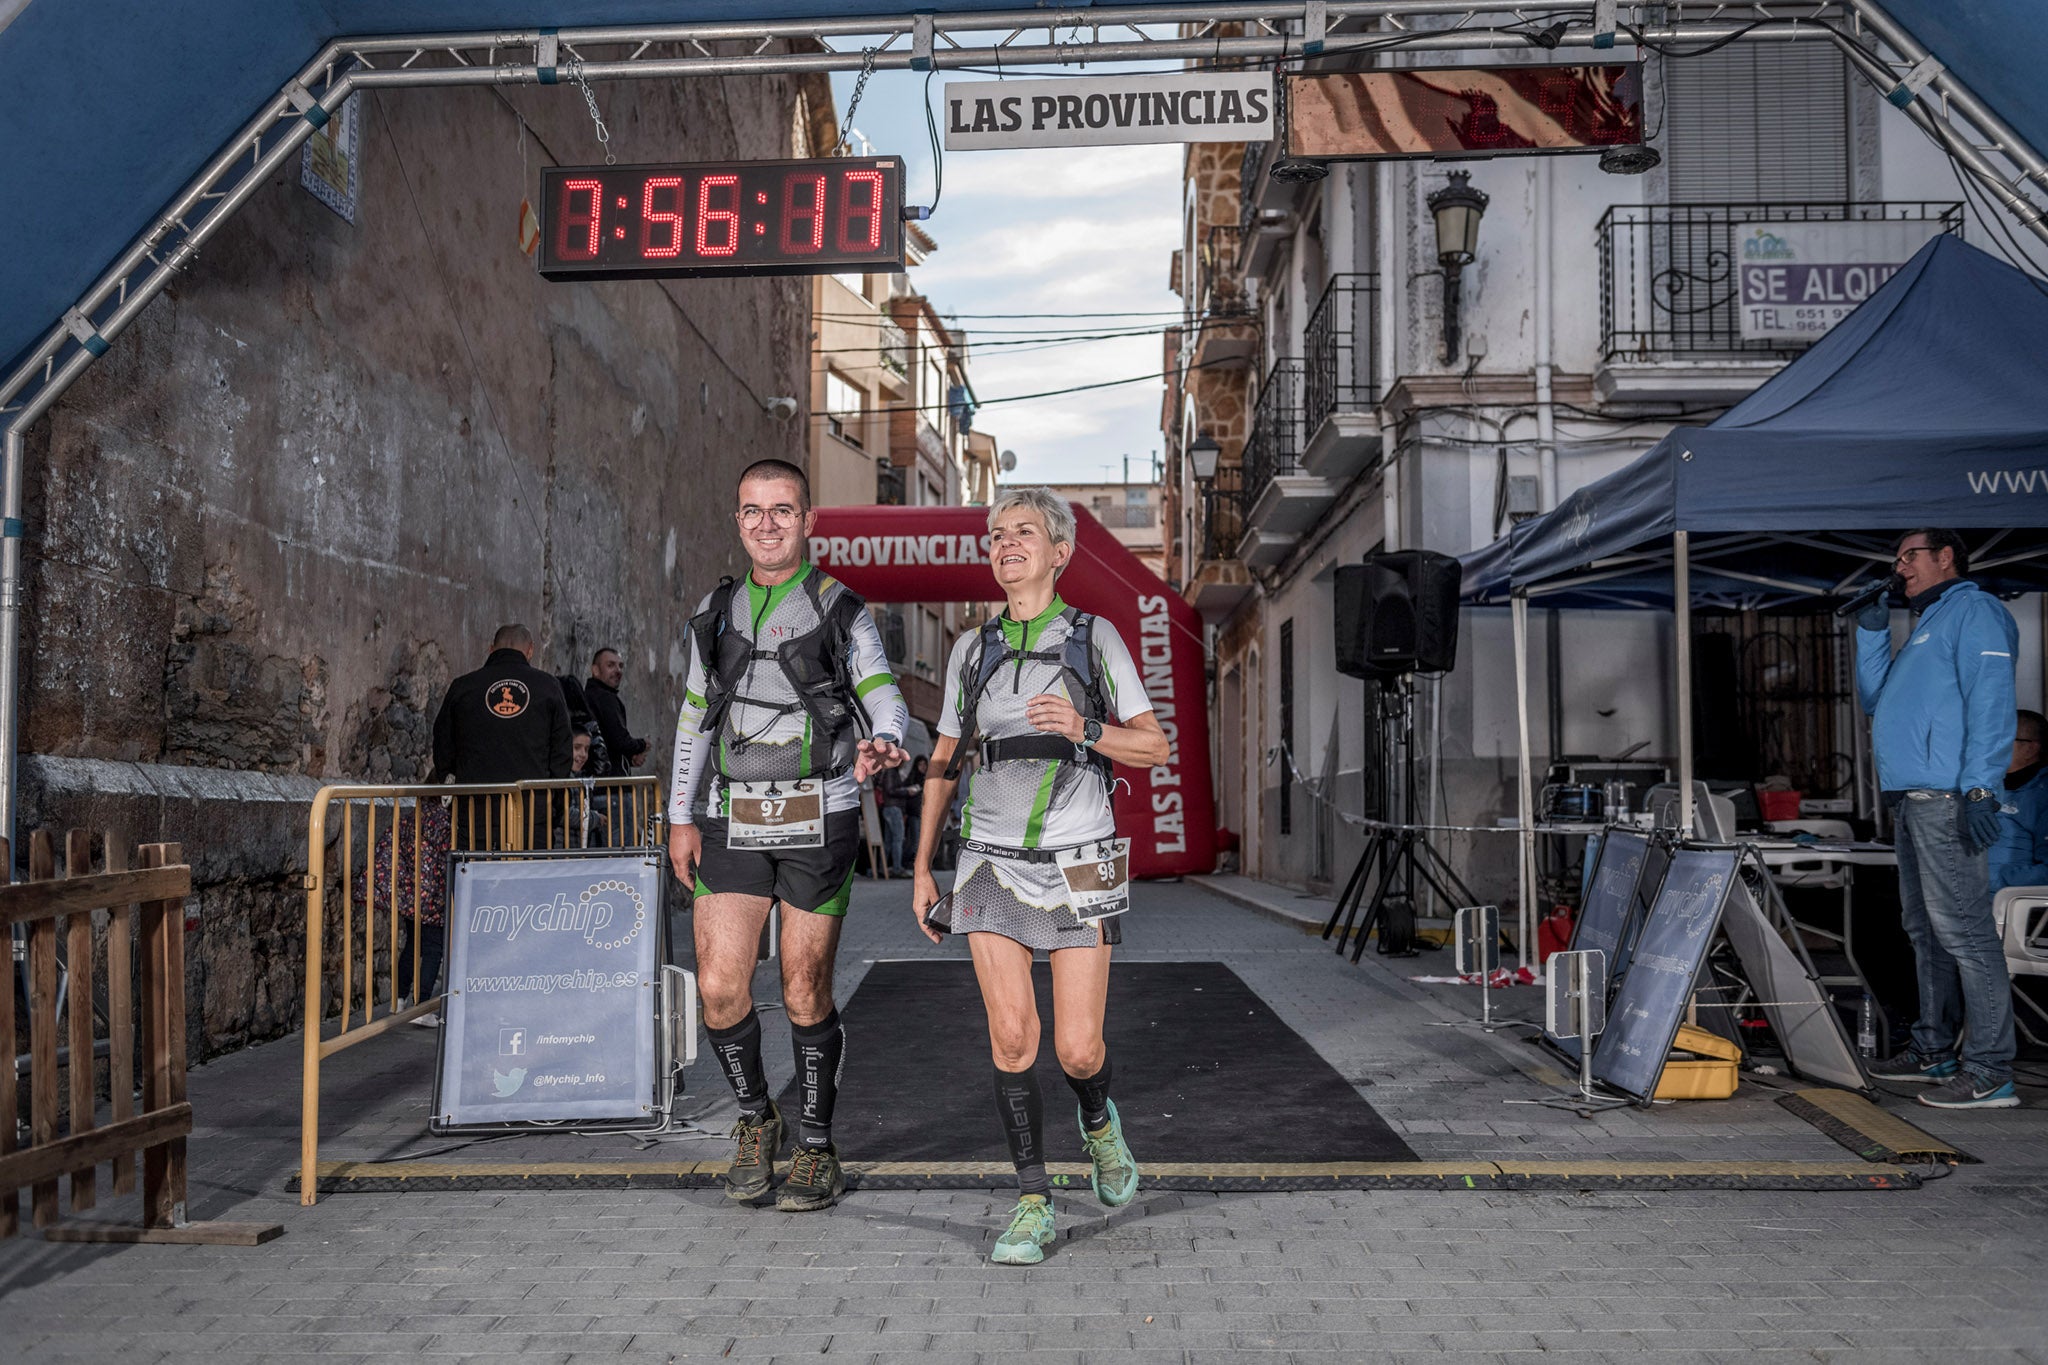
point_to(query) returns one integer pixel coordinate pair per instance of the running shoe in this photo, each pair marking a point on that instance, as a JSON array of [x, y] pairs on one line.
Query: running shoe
[[1911, 1066], [1965, 1091], [1113, 1170], [759, 1138], [1029, 1234], [815, 1180]]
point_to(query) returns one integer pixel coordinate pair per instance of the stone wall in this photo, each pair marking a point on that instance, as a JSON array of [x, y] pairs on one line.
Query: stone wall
[[298, 496]]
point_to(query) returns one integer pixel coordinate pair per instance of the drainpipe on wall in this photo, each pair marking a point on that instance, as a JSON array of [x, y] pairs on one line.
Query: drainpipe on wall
[[1546, 446]]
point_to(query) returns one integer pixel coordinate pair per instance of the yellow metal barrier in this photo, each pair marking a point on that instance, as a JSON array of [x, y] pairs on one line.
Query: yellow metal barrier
[[568, 813]]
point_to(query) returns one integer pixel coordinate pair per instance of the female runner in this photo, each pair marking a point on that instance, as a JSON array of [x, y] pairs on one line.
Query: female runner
[[1039, 864]]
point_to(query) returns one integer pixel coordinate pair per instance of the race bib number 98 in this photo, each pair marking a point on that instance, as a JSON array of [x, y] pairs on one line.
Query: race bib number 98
[[1098, 878], [776, 815]]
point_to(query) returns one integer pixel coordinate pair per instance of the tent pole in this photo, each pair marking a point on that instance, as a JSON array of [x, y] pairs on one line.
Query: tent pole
[[1681, 601], [1526, 844], [15, 448]]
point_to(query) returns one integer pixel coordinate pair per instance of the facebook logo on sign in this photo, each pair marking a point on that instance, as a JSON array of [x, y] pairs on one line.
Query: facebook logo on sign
[[511, 1042]]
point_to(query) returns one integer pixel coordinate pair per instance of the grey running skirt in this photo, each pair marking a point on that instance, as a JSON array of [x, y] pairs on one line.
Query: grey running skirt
[[1022, 901]]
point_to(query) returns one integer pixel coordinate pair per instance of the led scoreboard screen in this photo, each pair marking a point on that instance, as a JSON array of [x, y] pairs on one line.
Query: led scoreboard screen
[[1452, 112], [721, 218]]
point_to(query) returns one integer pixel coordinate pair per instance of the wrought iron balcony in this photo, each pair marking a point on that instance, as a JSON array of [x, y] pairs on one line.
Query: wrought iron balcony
[[1668, 278], [895, 348], [1223, 512], [1227, 333], [1281, 499], [1340, 383], [1255, 154]]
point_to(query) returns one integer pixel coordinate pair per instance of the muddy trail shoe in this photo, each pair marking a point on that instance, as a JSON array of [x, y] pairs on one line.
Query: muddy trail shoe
[[815, 1181], [759, 1138], [1910, 1067], [1113, 1170], [1964, 1091], [1029, 1234]]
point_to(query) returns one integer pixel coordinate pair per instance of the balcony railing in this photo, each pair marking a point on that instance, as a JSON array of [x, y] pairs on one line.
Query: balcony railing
[[1668, 279], [1223, 513], [1222, 292], [1248, 184], [895, 348], [1343, 350], [1275, 444], [1127, 516]]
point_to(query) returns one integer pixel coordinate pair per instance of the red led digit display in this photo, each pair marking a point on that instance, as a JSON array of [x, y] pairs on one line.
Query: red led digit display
[[1448, 112], [721, 218]]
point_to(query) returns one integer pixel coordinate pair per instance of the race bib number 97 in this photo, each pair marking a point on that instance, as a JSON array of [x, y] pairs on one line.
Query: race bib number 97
[[776, 815], [1098, 878]]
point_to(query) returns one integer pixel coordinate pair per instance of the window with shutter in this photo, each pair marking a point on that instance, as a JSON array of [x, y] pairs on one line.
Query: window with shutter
[[1757, 122]]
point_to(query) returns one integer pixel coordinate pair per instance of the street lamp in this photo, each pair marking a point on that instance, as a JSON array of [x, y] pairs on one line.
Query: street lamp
[[1202, 457], [1458, 208]]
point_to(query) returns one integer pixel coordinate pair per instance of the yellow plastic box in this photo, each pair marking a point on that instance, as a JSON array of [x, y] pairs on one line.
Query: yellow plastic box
[[1707, 1073]]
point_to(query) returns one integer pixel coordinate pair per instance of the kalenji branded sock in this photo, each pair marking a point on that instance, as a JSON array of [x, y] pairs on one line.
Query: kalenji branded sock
[[739, 1052], [1018, 1104], [1093, 1092], [820, 1056]]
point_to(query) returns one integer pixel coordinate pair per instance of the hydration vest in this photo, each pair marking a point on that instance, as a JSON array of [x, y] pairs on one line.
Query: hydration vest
[[1076, 658], [814, 663]]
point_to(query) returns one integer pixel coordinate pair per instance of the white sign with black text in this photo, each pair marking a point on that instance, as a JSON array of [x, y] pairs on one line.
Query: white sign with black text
[[1105, 111], [1795, 281]]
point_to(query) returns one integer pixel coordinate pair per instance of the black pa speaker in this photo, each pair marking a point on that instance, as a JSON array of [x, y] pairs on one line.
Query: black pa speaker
[[1397, 613]]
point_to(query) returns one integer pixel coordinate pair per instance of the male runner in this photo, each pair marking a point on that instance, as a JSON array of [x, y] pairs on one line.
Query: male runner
[[764, 806]]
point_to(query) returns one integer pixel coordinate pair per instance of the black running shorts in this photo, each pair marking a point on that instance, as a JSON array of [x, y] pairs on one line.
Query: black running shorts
[[816, 879]]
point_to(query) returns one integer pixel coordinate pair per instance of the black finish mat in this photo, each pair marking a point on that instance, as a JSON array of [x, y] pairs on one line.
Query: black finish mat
[[1204, 1072]]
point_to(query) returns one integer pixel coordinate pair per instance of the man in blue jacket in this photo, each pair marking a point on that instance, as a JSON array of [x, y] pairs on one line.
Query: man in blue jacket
[[2020, 857], [1942, 726]]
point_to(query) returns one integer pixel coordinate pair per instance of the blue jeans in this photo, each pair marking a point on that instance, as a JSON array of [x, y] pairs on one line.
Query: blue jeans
[[1945, 900], [892, 837]]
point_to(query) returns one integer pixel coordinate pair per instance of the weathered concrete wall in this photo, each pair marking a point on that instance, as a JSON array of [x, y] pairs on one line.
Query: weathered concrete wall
[[297, 497]]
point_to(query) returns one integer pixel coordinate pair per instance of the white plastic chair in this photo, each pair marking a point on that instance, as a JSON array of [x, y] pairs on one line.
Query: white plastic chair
[[1824, 873], [2021, 915]]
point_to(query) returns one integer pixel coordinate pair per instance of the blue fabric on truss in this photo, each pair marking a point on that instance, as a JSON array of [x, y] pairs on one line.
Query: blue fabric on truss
[[1926, 406], [108, 108]]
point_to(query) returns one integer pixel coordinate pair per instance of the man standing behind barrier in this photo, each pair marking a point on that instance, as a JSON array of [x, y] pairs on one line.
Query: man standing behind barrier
[[2020, 857], [782, 666], [506, 722], [1942, 727]]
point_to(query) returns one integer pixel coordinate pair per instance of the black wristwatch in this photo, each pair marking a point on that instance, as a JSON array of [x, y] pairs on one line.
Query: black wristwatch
[[1091, 731], [1980, 794]]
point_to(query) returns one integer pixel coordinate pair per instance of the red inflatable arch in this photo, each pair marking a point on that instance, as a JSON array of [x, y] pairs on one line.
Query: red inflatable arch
[[940, 554]]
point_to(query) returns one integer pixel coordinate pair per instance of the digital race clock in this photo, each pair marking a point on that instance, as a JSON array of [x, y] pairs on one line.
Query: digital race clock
[[721, 218]]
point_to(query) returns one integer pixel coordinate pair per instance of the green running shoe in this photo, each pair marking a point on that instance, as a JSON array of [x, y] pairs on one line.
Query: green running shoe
[[1115, 1173], [1029, 1234], [816, 1180], [753, 1159]]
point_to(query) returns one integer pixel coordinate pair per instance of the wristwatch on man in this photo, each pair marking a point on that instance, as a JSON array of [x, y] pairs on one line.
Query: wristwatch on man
[[1980, 794], [1091, 731], [886, 738]]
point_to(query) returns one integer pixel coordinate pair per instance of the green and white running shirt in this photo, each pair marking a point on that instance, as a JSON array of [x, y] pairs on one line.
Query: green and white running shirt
[[765, 742], [1034, 803]]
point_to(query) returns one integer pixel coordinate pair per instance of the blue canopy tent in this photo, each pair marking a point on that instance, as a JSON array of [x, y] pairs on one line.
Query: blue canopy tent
[[1926, 406]]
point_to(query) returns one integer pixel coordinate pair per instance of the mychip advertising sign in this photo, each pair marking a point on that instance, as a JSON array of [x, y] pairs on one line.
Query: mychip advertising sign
[[552, 966], [1797, 280]]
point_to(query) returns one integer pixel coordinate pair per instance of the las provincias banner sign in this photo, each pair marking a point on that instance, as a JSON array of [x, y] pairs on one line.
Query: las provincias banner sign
[[1103, 111], [940, 554]]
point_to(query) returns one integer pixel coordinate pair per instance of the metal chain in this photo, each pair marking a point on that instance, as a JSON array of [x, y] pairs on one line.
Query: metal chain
[[867, 69], [604, 134]]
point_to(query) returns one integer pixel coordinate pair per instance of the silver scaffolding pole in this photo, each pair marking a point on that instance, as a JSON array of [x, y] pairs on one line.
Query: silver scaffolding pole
[[1681, 606], [1525, 792], [914, 42]]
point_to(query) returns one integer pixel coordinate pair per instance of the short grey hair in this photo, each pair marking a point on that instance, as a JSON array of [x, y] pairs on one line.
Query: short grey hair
[[1052, 509]]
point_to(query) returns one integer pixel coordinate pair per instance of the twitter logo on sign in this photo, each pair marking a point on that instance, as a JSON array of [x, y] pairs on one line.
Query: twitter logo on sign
[[507, 1084]]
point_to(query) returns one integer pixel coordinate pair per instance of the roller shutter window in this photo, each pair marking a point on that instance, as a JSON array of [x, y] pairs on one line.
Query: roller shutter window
[[1759, 122]]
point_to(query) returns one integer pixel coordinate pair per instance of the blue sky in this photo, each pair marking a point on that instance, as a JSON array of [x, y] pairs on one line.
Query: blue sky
[[1069, 230]]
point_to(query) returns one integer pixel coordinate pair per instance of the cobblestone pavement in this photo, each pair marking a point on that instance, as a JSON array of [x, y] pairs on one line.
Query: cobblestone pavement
[[1952, 1271]]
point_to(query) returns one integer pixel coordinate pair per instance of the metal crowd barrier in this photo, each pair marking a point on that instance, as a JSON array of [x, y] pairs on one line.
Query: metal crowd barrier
[[565, 813]]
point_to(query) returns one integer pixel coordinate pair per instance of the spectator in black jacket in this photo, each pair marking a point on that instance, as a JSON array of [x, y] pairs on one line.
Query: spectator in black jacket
[[507, 721], [602, 693]]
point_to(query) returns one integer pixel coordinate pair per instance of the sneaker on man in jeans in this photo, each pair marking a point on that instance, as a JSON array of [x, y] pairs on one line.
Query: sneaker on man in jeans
[[1964, 1091], [1912, 1067], [815, 1181], [759, 1138]]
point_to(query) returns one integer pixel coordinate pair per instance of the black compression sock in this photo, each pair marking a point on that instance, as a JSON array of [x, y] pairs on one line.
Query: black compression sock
[[1018, 1105], [820, 1053], [1093, 1092], [739, 1054]]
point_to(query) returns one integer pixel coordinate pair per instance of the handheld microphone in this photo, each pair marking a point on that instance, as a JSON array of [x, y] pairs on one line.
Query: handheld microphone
[[1884, 587]]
